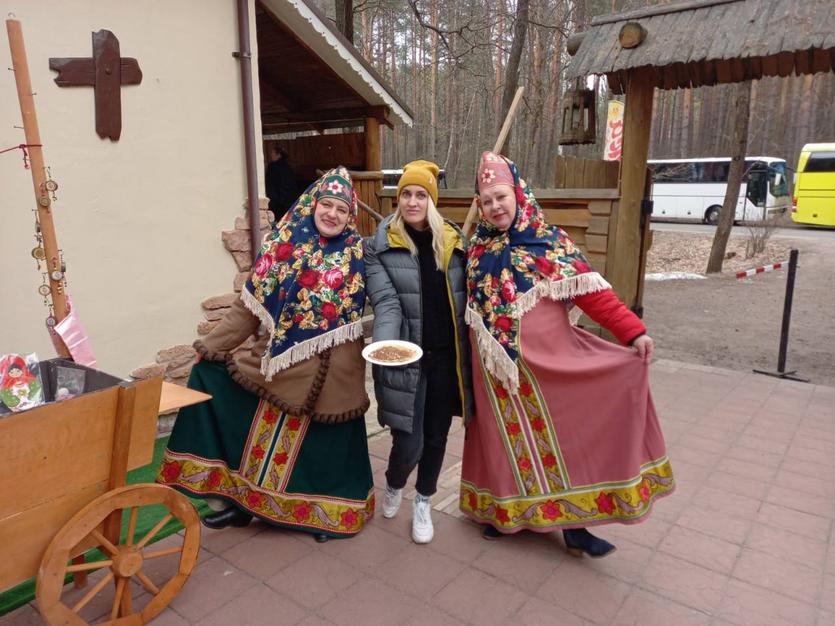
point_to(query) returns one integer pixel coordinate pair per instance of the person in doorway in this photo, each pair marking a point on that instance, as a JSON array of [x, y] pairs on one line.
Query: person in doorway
[[283, 438], [416, 285], [280, 182], [565, 434]]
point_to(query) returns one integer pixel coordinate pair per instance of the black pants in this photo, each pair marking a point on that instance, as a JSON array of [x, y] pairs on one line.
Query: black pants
[[424, 447]]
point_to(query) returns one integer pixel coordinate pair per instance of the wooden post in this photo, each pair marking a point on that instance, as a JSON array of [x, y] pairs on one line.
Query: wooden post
[[637, 122], [122, 426], [33, 138], [373, 153]]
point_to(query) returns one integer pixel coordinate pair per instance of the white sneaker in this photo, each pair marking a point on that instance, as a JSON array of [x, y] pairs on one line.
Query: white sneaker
[[422, 529], [391, 502]]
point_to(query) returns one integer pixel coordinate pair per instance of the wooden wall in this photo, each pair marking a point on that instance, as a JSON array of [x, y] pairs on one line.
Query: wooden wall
[[307, 154], [367, 184], [577, 173]]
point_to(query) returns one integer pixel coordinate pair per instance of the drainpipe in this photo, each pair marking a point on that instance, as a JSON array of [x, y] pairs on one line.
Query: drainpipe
[[244, 55]]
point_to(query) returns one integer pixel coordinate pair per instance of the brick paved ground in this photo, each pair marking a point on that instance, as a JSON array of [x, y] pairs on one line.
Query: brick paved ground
[[747, 539]]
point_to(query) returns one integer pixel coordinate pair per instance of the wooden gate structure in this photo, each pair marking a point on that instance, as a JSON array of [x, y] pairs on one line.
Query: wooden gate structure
[[689, 44]]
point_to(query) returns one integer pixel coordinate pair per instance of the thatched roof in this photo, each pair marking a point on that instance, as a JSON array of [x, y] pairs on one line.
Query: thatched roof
[[706, 42]]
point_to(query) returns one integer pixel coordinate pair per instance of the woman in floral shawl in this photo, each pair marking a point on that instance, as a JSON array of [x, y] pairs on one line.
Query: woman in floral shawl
[[283, 437], [565, 434]]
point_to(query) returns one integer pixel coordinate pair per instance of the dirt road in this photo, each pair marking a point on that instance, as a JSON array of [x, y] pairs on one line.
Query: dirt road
[[735, 323]]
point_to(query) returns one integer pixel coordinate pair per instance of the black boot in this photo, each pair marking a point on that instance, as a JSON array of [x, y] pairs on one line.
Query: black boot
[[232, 516], [490, 532], [579, 541], [321, 537]]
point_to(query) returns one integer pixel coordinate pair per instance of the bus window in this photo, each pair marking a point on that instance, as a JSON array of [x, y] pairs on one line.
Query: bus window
[[820, 162], [756, 189], [673, 172], [712, 171], [777, 179]]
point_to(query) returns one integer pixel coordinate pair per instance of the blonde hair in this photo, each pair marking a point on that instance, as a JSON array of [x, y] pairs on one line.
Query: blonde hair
[[436, 225]]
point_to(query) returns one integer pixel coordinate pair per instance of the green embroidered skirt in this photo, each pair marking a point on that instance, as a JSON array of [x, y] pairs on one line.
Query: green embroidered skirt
[[287, 470]]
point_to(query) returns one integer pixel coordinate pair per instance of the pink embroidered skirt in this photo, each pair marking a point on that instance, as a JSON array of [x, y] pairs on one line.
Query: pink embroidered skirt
[[578, 445]]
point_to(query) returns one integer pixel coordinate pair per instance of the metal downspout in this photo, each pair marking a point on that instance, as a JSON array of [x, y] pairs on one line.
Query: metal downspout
[[244, 55]]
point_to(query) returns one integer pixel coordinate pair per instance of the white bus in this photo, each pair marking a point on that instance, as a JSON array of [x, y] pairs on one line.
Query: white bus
[[694, 189]]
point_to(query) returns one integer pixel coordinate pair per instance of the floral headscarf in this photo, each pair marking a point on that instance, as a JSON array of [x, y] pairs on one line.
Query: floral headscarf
[[307, 289], [508, 272]]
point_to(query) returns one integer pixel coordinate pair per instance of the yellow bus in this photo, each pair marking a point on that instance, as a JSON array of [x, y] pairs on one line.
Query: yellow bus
[[814, 189]]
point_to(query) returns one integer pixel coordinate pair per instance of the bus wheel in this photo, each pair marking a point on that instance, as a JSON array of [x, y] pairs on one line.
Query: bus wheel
[[712, 214]]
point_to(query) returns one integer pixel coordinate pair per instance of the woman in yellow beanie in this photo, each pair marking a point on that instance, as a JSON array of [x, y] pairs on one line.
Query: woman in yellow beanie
[[416, 282]]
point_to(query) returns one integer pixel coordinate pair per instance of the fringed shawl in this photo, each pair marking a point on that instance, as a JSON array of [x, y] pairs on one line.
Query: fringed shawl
[[508, 272], [308, 290]]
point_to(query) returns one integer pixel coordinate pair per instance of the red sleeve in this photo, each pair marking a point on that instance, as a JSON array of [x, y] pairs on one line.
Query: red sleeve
[[605, 308]]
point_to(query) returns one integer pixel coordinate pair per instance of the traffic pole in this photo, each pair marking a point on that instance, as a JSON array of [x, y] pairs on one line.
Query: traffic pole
[[784, 330]]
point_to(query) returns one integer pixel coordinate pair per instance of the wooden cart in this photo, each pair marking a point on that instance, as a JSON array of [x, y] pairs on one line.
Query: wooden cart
[[63, 491]]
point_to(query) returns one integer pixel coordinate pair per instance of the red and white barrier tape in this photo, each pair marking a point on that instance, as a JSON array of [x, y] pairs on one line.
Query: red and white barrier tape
[[762, 269]]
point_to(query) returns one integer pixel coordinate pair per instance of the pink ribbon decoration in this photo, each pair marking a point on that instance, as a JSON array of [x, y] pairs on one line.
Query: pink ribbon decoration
[[75, 338]]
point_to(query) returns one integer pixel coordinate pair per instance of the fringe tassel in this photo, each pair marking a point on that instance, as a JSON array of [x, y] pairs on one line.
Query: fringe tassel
[[258, 310], [493, 355], [306, 349], [496, 360], [559, 290]]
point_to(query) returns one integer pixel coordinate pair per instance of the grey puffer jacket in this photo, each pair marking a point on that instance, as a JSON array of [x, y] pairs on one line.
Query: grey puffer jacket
[[393, 285]]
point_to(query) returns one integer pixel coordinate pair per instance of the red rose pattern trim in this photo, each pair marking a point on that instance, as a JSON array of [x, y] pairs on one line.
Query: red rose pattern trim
[[336, 516], [625, 502], [170, 471], [283, 252], [214, 479], [329, 311], [302, 511], [308, 278], [605, 503], [349, 519], [550, 510], [515, 440]]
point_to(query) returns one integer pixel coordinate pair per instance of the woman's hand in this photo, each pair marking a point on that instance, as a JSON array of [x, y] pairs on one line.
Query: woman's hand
[[644, 345]]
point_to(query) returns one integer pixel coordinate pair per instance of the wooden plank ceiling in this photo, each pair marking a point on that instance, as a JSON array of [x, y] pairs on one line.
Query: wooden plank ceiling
[[299, 91], [706, 42]]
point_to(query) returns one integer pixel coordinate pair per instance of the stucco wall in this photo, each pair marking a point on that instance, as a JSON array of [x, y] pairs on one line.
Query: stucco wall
[[139, 220]]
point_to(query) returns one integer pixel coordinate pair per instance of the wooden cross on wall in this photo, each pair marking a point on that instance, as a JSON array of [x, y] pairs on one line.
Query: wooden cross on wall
[[105, 72]]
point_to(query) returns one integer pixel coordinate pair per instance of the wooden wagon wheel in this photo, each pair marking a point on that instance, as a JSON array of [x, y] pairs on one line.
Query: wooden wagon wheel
[[124, 561]]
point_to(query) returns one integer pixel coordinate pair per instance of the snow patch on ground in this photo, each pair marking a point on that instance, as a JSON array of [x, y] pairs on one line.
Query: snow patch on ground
[[673, 276]]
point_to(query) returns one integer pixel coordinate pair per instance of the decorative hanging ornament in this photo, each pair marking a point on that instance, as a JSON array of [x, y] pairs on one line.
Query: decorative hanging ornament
[[50, 185], [579, 123], [44, 290], [38, 253]]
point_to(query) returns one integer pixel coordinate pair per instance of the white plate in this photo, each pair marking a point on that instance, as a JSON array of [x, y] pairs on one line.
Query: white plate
[[393, 343]]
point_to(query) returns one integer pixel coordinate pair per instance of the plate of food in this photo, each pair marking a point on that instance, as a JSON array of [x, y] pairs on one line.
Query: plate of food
[[392, 352]]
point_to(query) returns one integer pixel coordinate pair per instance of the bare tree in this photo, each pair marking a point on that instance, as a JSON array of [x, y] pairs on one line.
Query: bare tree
[[345, 18], [741, 108], [511, 75]]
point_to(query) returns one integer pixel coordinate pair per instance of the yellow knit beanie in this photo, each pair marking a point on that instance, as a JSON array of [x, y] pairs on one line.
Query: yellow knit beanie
[[423, 174]]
